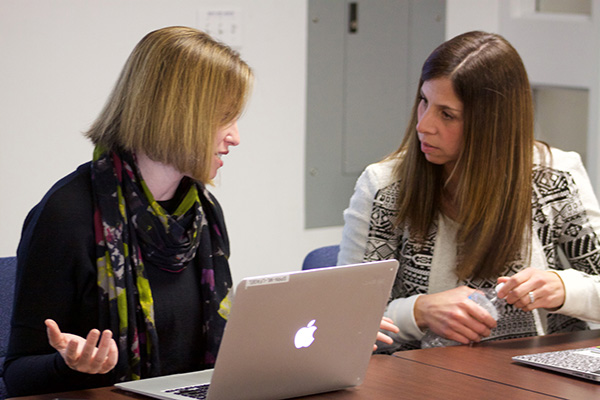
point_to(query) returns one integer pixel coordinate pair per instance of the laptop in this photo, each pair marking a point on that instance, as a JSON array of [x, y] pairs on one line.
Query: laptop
[[582, 362], [291, 334]]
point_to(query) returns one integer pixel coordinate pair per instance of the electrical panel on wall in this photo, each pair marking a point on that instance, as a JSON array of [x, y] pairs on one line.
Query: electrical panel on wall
[[223, 24], [364, 61]]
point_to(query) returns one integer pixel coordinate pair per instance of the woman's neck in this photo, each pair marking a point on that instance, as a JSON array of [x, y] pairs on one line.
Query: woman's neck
[[162, 179], [449, 195]]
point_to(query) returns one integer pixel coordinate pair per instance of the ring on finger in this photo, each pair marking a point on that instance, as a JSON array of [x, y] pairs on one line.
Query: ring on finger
[[531, 298]]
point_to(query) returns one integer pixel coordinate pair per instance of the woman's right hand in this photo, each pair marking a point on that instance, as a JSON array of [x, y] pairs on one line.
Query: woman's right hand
[[452, 315], [82, 354]]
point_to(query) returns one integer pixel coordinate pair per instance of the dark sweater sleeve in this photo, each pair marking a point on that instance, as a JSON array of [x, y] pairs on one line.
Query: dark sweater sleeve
[[56, 278]]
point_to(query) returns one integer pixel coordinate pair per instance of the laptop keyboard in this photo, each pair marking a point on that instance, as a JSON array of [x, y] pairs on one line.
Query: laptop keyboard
[[194, 392], [574, 360]]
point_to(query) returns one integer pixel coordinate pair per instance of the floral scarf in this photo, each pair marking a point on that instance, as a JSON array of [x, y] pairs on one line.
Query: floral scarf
[[132, 229]]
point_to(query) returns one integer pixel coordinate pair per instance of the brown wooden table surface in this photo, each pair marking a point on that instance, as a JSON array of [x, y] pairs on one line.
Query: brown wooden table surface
[[388, 377], [492, 361], [395, 378], [483, 371]]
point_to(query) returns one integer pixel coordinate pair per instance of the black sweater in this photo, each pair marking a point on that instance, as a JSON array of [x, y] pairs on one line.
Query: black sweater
[[56, 278]]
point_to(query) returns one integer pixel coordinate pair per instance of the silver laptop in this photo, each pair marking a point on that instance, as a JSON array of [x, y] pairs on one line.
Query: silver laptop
[[583, 362], [291, 334]]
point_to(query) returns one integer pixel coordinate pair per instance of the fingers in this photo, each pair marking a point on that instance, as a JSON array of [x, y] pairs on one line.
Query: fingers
[[72, 353], [89, 351], [481, 315], [453, 315], [516, 288], [96, 354], [382, 337], [476, 330], [112, 357], [388, 325], [101, 359], [466, 327], [531, 288], [105, 357], [526, 302], [55, 336]]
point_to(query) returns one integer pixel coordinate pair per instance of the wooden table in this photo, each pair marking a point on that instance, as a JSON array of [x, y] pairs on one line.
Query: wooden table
[[388, 377], [483, 371], [492, 362]]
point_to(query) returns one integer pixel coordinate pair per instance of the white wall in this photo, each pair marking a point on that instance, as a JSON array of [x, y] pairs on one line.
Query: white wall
[[471, 15], [562, 55], [60, 59], [562, 50]]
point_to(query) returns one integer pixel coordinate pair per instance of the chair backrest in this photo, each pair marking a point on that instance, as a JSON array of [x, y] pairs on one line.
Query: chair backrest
[[321, 257], [8, 270]]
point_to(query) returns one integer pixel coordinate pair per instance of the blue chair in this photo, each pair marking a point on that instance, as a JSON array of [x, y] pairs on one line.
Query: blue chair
[[321, 257], [8, 270]]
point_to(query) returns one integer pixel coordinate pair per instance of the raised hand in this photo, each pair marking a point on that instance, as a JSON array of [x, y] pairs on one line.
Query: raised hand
[[84, 355]]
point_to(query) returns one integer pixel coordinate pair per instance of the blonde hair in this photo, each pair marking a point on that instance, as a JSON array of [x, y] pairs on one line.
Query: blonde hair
[[178, 87], [495, 164]]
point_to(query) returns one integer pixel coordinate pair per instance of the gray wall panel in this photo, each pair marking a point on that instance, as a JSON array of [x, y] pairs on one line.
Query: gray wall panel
[[360, 87]]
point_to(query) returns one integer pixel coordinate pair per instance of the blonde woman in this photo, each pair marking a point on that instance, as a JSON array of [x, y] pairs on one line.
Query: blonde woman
[[122, 266], [470, 199]]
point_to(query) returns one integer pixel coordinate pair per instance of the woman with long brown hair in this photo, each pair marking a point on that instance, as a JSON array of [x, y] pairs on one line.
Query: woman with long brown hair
[[470, 199]]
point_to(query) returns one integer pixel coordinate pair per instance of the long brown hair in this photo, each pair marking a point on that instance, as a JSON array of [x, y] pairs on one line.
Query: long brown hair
[[178, 87], [495, 164]]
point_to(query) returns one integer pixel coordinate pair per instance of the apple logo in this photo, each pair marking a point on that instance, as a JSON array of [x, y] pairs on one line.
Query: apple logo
[[304, 336]]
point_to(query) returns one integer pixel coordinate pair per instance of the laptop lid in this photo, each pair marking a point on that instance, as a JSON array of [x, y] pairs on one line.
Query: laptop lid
[[293, 334], [583, 362]]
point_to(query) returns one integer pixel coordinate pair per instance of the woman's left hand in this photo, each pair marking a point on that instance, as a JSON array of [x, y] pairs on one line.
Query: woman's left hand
[[388, 325], [532, 288], [91, 355]]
